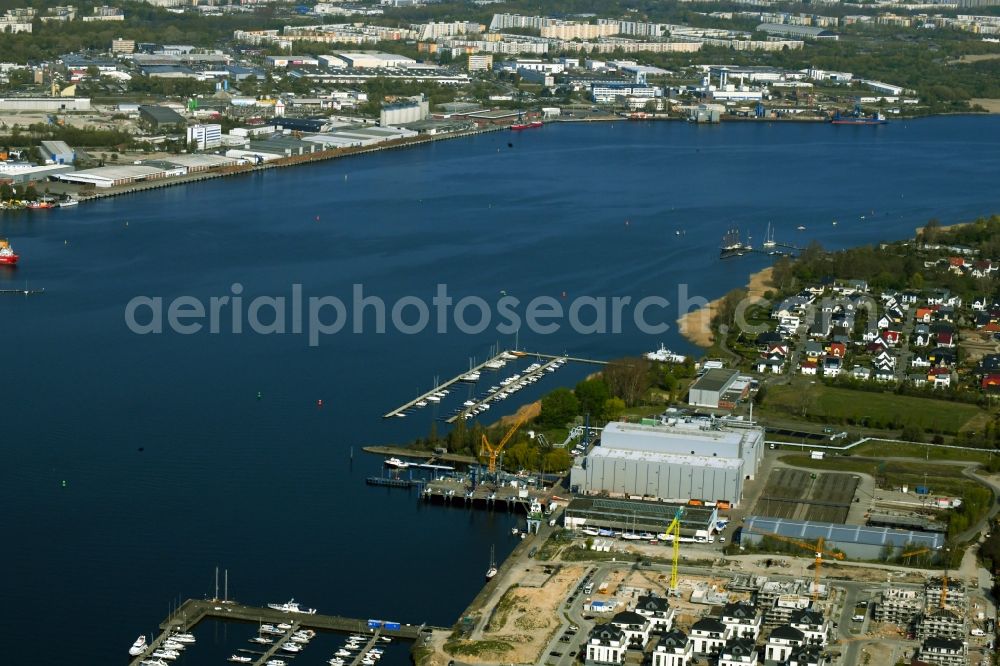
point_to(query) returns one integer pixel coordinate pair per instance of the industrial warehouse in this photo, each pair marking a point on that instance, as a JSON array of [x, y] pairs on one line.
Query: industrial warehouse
[[637, 517], [671, 459], [855, 541]]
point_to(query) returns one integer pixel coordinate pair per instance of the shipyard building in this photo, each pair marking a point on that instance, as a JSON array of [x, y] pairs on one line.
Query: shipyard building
[[674, 460], [855, 541]]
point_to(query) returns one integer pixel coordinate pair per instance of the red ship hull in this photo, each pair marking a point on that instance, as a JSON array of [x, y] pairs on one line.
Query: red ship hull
[[524, 126], [9, 260]]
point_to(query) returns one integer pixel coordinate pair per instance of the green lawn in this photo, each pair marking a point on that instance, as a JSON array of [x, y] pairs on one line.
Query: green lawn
[[877, 448], [817, 402]]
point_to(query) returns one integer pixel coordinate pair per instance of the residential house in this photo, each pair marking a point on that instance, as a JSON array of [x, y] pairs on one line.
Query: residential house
[[606, 644], [939, 377], [919, 361], [832, 365], [909, 297], [812, 625], [884, 359], [917, 379], [738, 652], [766, 339], [658, 611], [779, 349], [636, 627], [861, 372], [924, 315], [979, 304], [673, 649], [782, 641], [813, 349], [945, 339], [942, 357], [773, 365], [884, 322], [891, 337], [989, 363], [944, 651], [807, 655], [837, 349], [982, 268], [990, 382], [921, 335], [741, 621], [707, 635], [809, 367]]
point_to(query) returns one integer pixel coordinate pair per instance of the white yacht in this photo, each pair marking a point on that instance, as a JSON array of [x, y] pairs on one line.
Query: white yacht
[[288, 646], [434, 398], [385, 639], [342, 653], [276, 662], [664, 355], [166, 654], [357, 637], [153, 662], [284, 626], [337, 661], [138, 647], [421, 403], [307, 633], [471, 376], [240, 659], [397, 463], [291, 606], [263, 640], [171, 644], [183, 638], [492, 571], [271, 629]]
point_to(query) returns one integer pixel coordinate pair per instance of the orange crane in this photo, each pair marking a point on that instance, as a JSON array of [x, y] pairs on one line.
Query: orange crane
[[913, 553], [816, 548], [494, 451]]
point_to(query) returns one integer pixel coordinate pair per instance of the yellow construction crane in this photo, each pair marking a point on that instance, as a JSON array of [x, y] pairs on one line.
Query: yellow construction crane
[[674, 530], [494, 451], [816, 548]]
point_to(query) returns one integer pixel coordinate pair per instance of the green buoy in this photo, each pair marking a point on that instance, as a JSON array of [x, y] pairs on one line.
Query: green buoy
[[259, 395], [64, 483]]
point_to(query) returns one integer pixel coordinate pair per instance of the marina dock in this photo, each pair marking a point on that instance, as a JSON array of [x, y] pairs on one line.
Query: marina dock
[[456, 493], [21, 292], [193, 611], [368, 646], [491, 397], [493, 363]]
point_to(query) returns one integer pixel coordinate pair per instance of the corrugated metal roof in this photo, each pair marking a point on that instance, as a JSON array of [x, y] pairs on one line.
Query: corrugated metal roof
[[840, 534]]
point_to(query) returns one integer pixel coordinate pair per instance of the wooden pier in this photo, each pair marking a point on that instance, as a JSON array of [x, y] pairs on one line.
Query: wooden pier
[[193, 611], [502, 356], [390, 482], [21, 292], [368, 646], [537, 373]]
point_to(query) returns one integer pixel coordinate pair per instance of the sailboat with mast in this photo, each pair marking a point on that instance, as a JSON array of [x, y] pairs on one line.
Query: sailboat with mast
[[492, 571], [769, 237]]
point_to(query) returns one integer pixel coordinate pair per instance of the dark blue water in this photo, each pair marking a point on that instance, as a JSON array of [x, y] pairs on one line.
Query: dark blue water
[[266, 488]]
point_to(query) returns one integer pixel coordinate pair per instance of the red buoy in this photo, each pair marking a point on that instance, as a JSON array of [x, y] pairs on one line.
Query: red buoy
[[319, 403]]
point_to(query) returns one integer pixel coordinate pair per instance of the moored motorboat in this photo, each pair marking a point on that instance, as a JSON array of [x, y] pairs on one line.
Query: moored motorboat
[[240, 658], [138, 647], [291, 606]]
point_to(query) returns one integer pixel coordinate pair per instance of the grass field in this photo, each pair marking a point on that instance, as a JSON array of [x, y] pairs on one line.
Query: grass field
[[945, 479], [882, 449], [886, 410]]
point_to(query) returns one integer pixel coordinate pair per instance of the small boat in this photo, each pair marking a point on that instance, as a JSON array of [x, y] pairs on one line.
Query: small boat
[[153, 662], [291, 647], [291, 606], [385, 639], [276, 662], [183, 638], [284, 626], [68, 203], [166, 654], [271, 629], [138, 647], [400, 415], [262, 640], [337, 661], [342, 653], [397, 463], [240, 659], [434, 398], [471, 377], [173, 645], [492, 571], [514, 531], [800, 228], [421, 403]]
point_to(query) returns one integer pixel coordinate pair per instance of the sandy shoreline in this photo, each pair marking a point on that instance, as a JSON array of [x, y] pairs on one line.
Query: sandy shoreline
[[696, 326]]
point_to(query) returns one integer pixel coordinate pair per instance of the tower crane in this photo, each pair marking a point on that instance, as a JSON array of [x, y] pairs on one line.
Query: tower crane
[[493, 451], [674, 532], [914, 553], [816, 548]]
